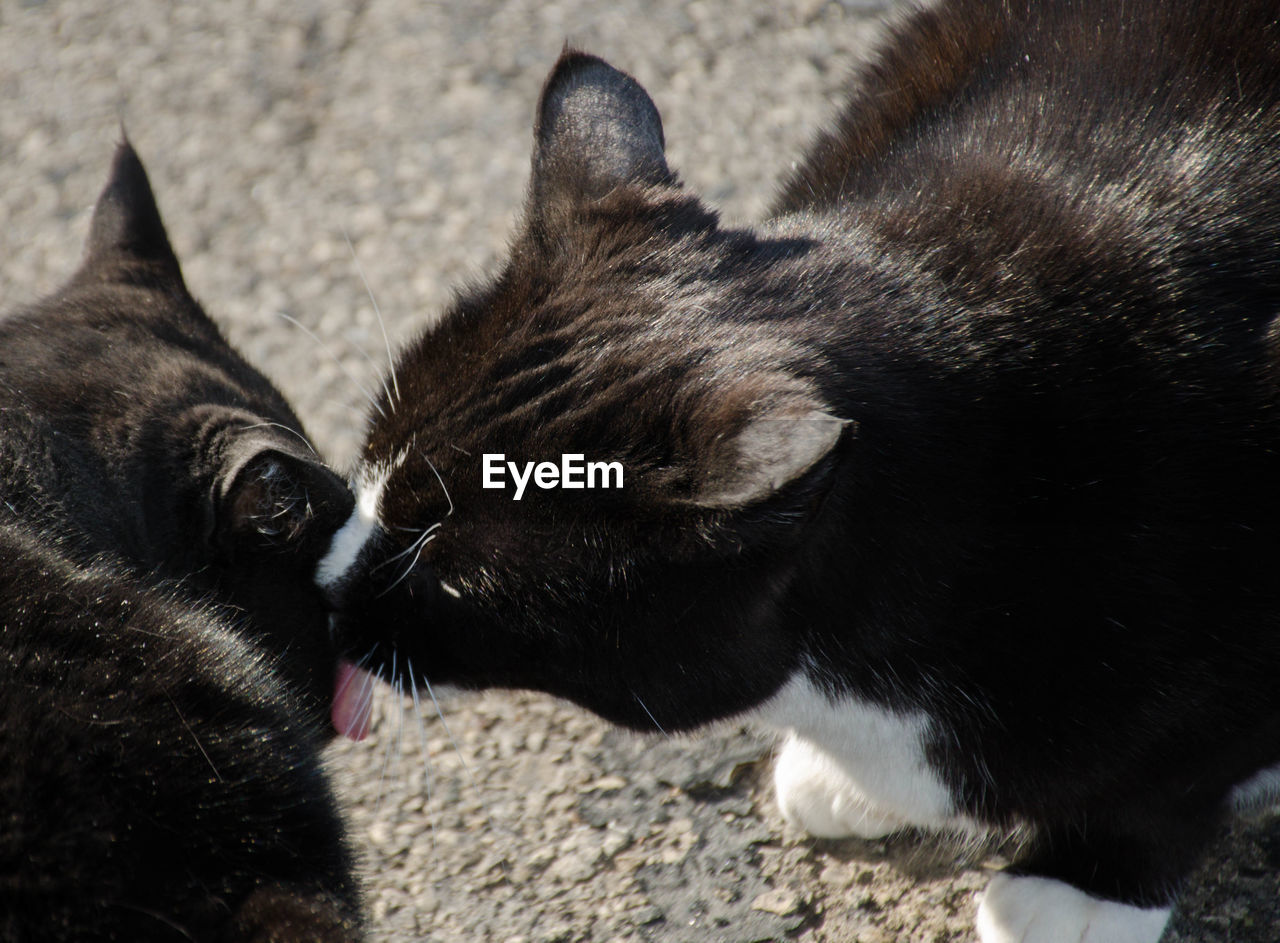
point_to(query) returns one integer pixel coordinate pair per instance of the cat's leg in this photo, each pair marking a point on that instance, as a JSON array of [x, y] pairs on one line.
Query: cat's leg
[[1109, 877], [1030, 909], [816, 794], [851, 767]]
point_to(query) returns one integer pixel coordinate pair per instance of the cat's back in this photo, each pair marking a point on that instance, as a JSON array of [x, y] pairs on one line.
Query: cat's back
[[156, 743], [1085, 196], [1046, 155], [1078, 202], [1114, 95]]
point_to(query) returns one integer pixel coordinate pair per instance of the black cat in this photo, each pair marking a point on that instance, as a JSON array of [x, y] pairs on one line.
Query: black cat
[[963, 471], [160, 519]]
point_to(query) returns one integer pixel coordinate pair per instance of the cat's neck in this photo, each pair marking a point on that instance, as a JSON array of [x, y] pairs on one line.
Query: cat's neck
[[891, 351]]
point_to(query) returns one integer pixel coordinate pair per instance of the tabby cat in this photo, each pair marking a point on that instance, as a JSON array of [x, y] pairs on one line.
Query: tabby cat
[[160, 519], [962, 470]]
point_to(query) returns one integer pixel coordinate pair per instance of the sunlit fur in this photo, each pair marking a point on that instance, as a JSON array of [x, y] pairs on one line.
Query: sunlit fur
[[1024, 293], [165, 664]]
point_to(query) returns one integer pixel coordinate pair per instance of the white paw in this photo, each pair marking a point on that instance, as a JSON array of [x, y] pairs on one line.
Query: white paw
[[1041, 910], [817, 796]]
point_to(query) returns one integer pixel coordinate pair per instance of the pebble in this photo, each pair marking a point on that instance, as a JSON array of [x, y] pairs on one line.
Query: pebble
[[605, 784], [782, 901]]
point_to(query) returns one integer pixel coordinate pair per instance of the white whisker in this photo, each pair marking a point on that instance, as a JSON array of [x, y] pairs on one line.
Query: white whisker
[[436, 472], [345, 684], [377, 370], [400, 724], [410, 530], [347, 406], [391, 363], [359, 664], [649, 712], [294, 432], [416, 545], [422, 743], [466, 767], [409, 569], [386, 760], [366, 693], [444, 723], [325, 347]]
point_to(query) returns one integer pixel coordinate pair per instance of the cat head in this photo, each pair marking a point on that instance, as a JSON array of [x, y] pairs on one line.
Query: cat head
[[627, 329], [173, 454]]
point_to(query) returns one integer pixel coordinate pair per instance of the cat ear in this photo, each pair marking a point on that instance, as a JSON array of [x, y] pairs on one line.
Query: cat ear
[[774, 449], [269, 492], [597, 130], [126, 228]]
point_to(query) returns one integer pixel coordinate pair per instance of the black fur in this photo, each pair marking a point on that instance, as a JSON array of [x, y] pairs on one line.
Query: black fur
[[982, 424], [159, 522]]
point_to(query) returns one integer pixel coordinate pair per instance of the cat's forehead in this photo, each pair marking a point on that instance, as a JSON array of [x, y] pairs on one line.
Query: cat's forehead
[[593, 317], [652, 394], [612, 341]]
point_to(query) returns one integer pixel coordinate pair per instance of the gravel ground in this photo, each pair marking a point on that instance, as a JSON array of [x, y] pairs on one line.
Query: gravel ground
[[277, 130]]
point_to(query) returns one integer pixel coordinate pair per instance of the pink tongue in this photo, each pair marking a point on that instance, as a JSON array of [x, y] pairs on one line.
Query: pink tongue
[[352, 701]]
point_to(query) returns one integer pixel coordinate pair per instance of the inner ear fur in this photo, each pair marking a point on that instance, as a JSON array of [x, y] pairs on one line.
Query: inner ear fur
[[776, 447], [270, 491]]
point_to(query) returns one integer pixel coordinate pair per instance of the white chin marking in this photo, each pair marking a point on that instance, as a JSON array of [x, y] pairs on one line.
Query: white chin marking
[[351, 537], [1040, 910]]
